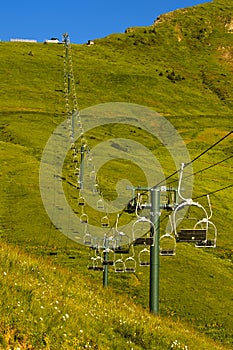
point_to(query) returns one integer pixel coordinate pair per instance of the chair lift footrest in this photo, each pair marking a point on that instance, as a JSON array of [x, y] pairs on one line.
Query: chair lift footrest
[[144, 263], [206, 244], [130, 269]]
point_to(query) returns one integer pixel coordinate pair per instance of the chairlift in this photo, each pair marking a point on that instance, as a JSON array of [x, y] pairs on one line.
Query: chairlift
[[75, 158], [95, 188], [144, 257], [78, 184], [81, 130], [89, 162], [84, 218], [130, 264], [87, 238], [190, 234], [141, 225], [91, 267], [73, 147], [79, 122], [208, 242], [81, 200], [76, 171], [97, 263], [119, 265], [121, 243], [93, 175], [168, 243], [74, 150], [108, 257], [100, 204], [105, 221], [83, 140]]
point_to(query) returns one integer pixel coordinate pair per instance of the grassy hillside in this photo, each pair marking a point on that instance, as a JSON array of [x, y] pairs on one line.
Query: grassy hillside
[[53, 308], [181, 67]]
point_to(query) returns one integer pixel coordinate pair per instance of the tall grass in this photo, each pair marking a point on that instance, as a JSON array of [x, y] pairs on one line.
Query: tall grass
[[48, 307]]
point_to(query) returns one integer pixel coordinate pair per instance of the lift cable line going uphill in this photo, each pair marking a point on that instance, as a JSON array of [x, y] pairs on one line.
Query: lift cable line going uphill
[[117, 249]]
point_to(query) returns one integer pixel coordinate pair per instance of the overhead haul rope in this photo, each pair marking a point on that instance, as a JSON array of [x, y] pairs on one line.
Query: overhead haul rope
[[212, 192], [194, 159], [204, 169]]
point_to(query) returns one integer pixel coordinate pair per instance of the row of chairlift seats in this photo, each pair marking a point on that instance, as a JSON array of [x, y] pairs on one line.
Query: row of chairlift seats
[[198, 234], [120, 245]]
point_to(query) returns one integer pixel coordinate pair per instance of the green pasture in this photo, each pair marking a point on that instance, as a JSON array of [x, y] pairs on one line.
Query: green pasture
[[181, 67]]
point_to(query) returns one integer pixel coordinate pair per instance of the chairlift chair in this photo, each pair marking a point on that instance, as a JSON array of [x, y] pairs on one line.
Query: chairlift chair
[[81, 200], [87, 239], [93, 175], [78, 184], [100, 204], [95, 188], [89, 162], [75, 158], [190, 234], [108, 257], [81, 130], [167, 245], [83, 140], [210, 240], [167, 242], [84, 218], [144, 257], [76, 171], [130, 264], [119, 265], [91, 267], [105, 221], [138, 230], [121, 243], [97, 264]]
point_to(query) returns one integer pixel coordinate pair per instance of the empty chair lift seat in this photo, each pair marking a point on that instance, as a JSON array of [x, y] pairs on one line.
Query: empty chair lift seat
[[191, 235]]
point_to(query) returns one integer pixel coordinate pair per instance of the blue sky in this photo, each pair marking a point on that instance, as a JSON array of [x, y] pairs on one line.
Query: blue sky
[[82, 19]]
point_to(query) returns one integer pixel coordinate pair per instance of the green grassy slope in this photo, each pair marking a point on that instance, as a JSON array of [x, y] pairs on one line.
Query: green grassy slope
[[182, 68], [53, 308]]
